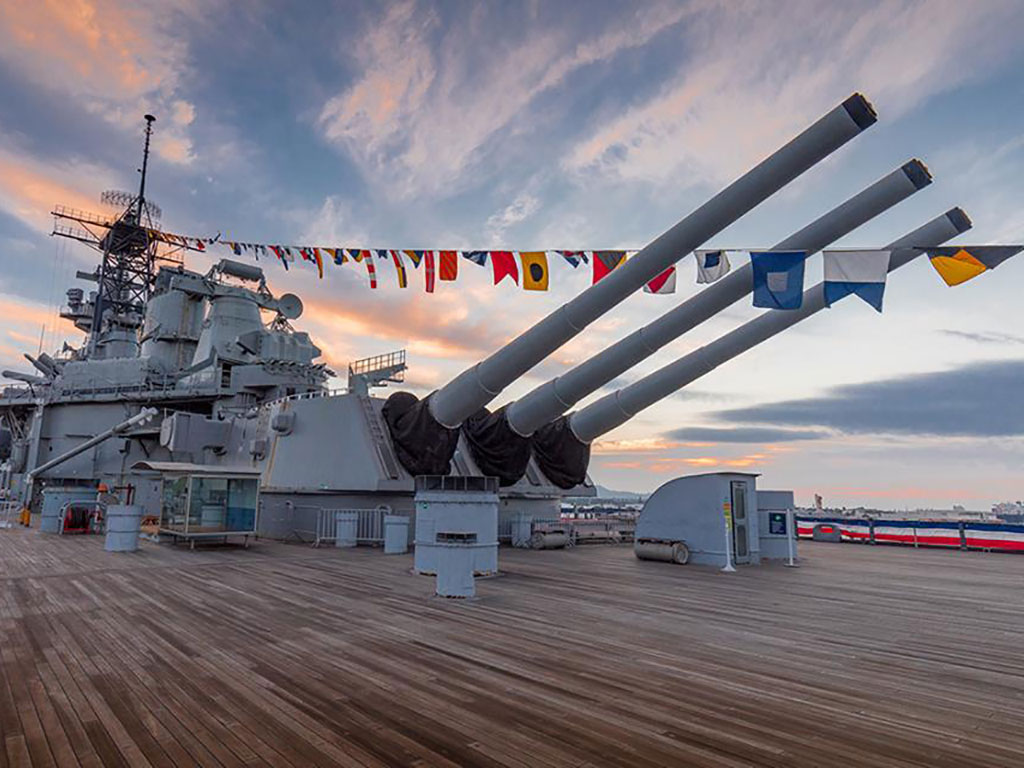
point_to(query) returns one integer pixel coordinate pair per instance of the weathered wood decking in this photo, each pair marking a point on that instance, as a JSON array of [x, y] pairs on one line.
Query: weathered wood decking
[[284, 655]]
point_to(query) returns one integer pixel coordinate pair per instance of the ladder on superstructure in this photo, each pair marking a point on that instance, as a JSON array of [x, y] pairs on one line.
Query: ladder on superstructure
[[381, 440], [377, 371]]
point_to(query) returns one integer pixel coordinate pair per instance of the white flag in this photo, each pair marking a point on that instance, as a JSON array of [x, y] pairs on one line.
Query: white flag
[[859, 272], [711, 266]]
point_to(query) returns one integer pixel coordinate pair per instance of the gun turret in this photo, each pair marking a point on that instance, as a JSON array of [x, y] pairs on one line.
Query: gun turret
[[45, 364], [434, 422], [562, 448], [500, 442]]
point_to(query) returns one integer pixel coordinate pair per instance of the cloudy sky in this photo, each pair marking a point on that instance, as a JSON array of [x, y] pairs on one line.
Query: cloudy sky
[[534, 125]]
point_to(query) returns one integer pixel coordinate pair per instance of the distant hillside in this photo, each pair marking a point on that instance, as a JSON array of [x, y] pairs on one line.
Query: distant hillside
[[608, 494]]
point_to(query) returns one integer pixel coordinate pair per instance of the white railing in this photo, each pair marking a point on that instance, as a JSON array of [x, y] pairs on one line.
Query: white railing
[[307, 396], [607, 530], [579, 531], [369, 525], [8, 512], [516, 530]]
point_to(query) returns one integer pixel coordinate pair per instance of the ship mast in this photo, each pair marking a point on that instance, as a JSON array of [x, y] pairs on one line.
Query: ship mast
[[141, 202], [127, 270]]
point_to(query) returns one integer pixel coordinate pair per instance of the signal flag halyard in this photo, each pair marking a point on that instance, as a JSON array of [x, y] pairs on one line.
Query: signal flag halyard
[[607, 261], [403, 279], [778, 278], [366, 257], [859, 272], [575, 258], [504, 265], [280, 254], [428, 270], [664, 283], [711, 265], [448, 267], [535, 270], [959, 263]]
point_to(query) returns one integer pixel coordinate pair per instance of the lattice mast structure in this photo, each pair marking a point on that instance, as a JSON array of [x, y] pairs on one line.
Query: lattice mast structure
[[127, 270]]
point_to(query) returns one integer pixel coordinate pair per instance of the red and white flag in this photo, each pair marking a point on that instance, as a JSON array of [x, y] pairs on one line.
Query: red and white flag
[[663, 283], [428, 270]]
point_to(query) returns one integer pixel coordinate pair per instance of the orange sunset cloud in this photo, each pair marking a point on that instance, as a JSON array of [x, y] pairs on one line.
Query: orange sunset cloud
[[641, 445], [29, 191]]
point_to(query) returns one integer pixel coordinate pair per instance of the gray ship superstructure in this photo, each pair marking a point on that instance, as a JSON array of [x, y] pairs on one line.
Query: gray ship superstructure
[[232, 382], [231, 389]]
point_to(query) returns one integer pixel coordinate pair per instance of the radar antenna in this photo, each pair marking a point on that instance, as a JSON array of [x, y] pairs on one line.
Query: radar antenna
[[119, 199]]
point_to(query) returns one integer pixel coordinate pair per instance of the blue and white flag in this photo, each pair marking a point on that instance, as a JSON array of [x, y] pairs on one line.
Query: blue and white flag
[[477, 257], [711, 265], [859, 272], [778, 279]]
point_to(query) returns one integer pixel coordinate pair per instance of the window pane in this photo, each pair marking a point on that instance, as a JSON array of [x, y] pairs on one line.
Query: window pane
[[207, 510], [174, 504], [242, 500]]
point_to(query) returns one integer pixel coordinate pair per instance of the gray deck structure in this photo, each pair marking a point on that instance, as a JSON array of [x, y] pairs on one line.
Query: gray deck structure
[[285, 655]]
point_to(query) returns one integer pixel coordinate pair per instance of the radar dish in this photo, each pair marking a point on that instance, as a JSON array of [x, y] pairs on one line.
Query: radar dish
[[290, 306]]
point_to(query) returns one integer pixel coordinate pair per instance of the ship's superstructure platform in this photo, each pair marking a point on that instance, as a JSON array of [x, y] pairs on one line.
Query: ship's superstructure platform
[[287, 655]]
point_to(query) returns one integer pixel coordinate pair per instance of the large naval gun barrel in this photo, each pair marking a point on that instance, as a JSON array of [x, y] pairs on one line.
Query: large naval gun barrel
[[562, 448], [477, 386], [550, 400], [500, 442], [425, 434]]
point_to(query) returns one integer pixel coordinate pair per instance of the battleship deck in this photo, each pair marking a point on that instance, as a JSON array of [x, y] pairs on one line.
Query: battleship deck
[[285, 655]]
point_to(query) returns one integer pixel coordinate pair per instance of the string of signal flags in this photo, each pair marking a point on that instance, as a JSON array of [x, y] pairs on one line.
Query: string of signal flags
[[778, 276]]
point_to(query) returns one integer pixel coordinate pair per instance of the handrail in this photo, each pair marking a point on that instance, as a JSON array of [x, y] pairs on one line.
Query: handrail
[[377, 363], [333, 392]]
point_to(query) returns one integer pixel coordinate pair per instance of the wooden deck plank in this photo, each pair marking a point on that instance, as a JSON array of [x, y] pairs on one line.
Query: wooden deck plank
[[285, 655], [31, 727]]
